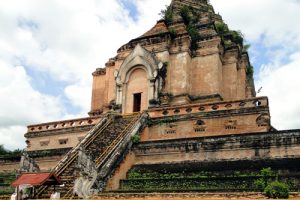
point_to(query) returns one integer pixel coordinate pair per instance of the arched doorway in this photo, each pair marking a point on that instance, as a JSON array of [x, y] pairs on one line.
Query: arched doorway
[[136, 96], [136, 80]]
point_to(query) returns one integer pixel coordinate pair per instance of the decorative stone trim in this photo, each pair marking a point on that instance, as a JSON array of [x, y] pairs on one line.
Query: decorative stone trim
[[95, 113], [73, 123], [59, 131], [260, 102], [263, 120], [99, 71], [230, 124]]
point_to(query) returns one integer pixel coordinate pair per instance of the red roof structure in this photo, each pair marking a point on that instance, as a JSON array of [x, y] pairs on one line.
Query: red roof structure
[[36, 179]]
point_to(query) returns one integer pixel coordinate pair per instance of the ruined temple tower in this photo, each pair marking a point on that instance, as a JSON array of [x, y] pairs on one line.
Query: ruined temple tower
[[179, 61], [184, 91]]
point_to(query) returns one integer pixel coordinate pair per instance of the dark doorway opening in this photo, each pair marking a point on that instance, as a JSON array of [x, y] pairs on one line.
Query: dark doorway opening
[[137, 100]]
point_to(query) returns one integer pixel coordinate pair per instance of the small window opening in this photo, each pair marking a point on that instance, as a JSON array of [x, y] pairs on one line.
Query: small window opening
[[63, 141], [44, 143]]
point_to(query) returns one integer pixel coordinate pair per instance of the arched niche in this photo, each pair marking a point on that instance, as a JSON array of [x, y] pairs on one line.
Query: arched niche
[[136, 95], [141, 62]]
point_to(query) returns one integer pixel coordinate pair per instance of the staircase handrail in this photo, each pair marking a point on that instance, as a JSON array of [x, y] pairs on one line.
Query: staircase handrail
[[71, 155], [87, 138], [103, 157]]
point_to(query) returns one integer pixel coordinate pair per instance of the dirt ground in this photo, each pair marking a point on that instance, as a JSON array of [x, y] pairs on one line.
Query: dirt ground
[[189, 196]]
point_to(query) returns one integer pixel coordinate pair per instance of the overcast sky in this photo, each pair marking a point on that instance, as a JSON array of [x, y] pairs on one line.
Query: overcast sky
[[49, 48]]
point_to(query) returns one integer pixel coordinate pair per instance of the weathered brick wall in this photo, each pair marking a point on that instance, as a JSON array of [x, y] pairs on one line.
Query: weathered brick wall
[[233, 147], [9, 166], [261, 149]]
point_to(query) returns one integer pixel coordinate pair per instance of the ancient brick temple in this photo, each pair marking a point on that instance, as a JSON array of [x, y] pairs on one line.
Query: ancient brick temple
[[175, 109]]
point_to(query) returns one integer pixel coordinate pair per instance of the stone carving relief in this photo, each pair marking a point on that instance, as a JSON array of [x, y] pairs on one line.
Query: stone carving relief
[[87, 176], [263, 120], [99, 71], [230, 124], [170, 128], [164, 99], [199, 126], [27, 164]]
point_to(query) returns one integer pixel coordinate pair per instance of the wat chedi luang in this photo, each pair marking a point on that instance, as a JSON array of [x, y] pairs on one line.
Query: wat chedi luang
[[174, 111]]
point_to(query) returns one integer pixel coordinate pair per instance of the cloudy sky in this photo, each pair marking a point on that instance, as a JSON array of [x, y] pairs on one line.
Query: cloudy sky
[[49, 48]]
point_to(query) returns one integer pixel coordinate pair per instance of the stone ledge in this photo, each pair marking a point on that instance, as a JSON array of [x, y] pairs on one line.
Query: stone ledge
[[291, 132], [225, 106], [64, 124], [58, 131]]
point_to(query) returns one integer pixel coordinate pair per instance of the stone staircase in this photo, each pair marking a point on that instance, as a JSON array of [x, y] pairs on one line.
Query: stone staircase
[[86, 167]]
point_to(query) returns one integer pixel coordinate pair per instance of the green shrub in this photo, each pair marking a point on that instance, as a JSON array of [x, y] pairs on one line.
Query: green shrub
[[265, 172], [190, 19], [221, 27], [250, 71], [277, 190], [135, 139], [167, 15], [195, 36], [173, 33], [260, 184], [237, 37], [185, 14], [265, 179], [227, 43]]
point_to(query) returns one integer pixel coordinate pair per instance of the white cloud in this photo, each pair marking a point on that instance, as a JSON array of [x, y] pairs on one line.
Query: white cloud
[[281, 85], [66, 40], [80, 96], [13, 137], [21, 105], [276, 19]]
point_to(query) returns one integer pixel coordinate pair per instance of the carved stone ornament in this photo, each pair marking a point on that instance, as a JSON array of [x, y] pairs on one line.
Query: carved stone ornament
[[199, 126], [263, 120], [164, 99], [116, 73], [99, 71], [27, 164], [160, 65], [230, 124], [87, 176]]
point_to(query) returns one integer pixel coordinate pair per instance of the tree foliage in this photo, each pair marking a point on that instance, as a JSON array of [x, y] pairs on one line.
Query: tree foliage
[[5, 152]]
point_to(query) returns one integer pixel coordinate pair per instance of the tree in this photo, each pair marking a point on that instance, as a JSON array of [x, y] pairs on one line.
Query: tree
[[3, 151]]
